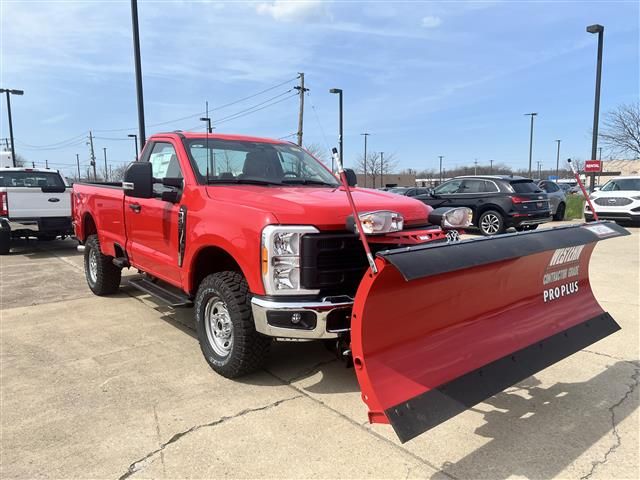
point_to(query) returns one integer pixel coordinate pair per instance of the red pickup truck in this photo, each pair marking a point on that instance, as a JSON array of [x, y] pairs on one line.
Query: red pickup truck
[[266, 242], [251, 230]]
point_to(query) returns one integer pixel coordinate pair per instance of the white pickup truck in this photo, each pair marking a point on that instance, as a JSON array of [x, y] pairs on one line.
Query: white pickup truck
[[34, 202]]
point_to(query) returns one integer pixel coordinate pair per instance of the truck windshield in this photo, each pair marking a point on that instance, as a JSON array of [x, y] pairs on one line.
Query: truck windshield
[[232, 161], [30, 179]]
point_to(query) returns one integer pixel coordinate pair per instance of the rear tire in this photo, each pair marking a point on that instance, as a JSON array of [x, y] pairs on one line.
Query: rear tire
[[103, 277], [5, 242], [225, 326], [559, 215], [491, 223]]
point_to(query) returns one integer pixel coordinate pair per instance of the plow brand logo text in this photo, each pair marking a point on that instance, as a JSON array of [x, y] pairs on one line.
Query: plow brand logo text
[[560, 257]]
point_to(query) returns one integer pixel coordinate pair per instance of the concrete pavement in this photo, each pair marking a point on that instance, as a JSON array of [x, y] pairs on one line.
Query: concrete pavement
[[117, 388]]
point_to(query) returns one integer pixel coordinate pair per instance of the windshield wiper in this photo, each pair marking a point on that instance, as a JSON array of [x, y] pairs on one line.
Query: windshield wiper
[[307, 181], [249, 181]]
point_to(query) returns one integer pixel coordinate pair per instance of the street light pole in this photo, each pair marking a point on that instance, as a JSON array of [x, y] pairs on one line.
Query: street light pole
[[440, 157], [10, 92], [208, 122], [558, 161], [599, 29], [135, 138], [106, 170], [339, 92], [138, 68], [381, 169], [533, 114], [365, 157]]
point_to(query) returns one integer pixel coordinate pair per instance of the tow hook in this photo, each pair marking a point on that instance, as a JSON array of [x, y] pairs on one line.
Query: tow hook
[[343, 351]]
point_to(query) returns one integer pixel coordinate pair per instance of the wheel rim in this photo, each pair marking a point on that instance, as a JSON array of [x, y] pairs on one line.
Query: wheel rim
[[93, 265], [490, 223], [219, 326]]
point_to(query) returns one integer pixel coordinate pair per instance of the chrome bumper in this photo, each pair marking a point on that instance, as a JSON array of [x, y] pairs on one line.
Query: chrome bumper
[[322, 309], [13, 225]]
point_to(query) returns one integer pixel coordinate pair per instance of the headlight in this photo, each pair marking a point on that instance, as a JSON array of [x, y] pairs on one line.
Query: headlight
[[280, 254], [451, 217], [636, 197], [378, 222]]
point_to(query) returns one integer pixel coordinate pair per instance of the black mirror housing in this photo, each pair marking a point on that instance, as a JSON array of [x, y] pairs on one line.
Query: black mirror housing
[[352, 179], [175, 182], [138, 180]]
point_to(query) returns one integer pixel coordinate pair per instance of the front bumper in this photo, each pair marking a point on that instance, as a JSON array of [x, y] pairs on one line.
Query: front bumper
[[311, 320]]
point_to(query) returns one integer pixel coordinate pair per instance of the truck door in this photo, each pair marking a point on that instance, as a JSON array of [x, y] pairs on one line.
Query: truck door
[[152, 223]]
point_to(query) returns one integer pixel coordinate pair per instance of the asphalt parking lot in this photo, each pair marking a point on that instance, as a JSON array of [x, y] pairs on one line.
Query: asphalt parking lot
[[117, 388]]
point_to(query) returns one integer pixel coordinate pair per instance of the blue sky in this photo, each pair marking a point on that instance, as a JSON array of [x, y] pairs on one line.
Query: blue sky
[[425, 78]]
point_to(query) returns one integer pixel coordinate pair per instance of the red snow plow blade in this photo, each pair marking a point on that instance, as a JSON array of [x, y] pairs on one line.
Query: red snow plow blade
[[443, 327]]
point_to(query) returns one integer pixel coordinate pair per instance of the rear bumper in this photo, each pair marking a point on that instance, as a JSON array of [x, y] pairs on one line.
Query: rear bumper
[[310, 320], [60, 225], [533, 219]]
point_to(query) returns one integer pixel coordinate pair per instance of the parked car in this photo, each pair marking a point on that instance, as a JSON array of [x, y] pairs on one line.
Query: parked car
[[618, 200], [415, 192], [498, 202], [557, 198], [33, 203]]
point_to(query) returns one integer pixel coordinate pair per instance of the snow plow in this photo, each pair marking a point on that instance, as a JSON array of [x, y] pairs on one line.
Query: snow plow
[[439, 327]]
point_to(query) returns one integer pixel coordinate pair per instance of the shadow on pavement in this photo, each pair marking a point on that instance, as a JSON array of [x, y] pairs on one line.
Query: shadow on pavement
[[541, 433]]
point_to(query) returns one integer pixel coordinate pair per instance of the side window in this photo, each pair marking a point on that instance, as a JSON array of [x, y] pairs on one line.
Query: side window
[[448, 187], [490, 187], [412, 192], [552, 187], [473, 186], [164, 163], [544, 186]]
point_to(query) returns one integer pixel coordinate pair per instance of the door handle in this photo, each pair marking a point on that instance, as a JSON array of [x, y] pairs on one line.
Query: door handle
[[135, 207]]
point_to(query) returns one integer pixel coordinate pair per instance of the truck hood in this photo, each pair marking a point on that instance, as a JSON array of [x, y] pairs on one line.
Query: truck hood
[[323, 207]]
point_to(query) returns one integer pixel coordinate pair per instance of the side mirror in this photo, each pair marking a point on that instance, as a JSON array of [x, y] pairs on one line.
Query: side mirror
[[175, 182], [138, 180], [171, 196], [595, 189], [352, 179]]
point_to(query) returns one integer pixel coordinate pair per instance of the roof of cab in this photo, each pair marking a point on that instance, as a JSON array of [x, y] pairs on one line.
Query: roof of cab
[[224, 136]]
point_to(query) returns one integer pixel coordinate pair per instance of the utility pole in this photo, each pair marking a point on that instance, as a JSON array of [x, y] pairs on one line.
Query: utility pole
[[338, 91], [558, 161], [539, 169], [33, 164], [138, 68], [106, 170], [78, 163], [6, 142], [475, 166], [365, 157], [381, 169], [533, 114], [301, 91], [490, 167], [599, 29], [10, 92], [93, 157], [440, 157], [46, 163]]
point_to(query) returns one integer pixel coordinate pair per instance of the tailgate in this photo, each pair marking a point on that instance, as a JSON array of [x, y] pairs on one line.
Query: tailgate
[[32, 202]]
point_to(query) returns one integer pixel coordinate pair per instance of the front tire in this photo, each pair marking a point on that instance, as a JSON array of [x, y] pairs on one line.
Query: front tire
[[225, 326], [102, 275], [559, 215], [491, 223], [5, 242]]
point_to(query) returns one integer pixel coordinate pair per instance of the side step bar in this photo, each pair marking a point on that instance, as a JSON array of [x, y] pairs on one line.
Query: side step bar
[[167, 294]]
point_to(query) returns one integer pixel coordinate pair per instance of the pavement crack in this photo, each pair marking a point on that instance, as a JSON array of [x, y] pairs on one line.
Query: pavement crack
[[612, 357], [364, 427], [614, 425], [143, 462]]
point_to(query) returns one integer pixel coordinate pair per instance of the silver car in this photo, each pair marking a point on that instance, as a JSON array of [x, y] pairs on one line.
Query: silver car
[[557, 198]]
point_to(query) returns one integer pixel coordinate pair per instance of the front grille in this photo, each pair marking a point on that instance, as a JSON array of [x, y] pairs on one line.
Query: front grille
[[612, 201], [332, 262]]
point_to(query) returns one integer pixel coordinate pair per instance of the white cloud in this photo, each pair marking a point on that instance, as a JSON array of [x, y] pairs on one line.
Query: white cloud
[[287, 10], [431, 21]]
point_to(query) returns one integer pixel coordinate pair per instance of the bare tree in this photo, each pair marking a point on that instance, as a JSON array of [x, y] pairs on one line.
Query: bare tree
[[620, 134], [20, 161], [375, 165], [319, 152]]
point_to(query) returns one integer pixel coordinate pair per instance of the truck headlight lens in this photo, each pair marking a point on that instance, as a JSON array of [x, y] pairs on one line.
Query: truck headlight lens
[[378, 222], [281, 259]]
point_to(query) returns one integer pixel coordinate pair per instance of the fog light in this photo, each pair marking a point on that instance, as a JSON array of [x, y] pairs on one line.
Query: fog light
[[301, 320], [295, 318]]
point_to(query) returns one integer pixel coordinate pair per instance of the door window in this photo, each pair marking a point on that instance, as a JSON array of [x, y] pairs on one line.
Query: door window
[[448, 187], [473, 186], [164, 164]]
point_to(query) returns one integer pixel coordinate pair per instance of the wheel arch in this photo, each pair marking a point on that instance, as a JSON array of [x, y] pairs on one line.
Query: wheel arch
[[480, 209], [88, 227], [207, 260]]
